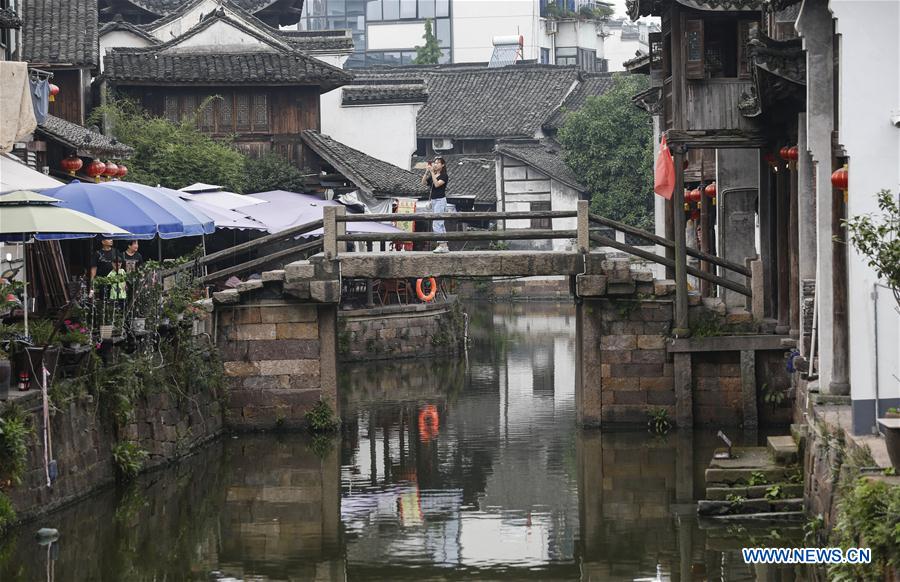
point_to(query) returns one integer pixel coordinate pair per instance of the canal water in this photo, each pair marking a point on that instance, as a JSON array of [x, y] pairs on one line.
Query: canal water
[[467, 468]]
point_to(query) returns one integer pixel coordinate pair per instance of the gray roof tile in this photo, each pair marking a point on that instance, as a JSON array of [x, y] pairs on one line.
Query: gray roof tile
[[371, 175], [379, 93], [9, 18], [591, 85], [60, 33], [82, 139]]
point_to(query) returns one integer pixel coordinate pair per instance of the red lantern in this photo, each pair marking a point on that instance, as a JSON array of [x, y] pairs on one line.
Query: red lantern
[[96, 169], [784, 153], [710, 190], [840, 179], [123, 171], [54, 91], [111, 171], [793, 153], [693, 195], [71, 164]]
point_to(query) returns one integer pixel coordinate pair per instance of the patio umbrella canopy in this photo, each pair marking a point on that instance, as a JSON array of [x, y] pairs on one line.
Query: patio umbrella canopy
[[194, 221], [221, 217], [14, 175], [288, 209], [25, 213], [219, 198], [143, 215]]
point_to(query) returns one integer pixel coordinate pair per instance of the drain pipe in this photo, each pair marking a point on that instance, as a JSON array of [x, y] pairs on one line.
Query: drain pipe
[[815, 329], [876, 429]]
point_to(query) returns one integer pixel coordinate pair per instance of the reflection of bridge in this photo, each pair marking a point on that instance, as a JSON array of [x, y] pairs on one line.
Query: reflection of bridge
[[279, 337]]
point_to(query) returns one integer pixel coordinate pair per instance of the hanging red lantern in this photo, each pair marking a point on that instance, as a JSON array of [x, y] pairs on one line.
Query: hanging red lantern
[[784, 153], [123, 171], [71, 164], [793, 153], [96, 169], [111, 171], [840, 178], [54, 91], [693, 195], [710, 190]]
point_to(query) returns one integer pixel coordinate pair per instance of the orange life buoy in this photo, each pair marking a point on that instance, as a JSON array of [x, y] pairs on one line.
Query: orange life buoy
[[428, 423], [430, 297]]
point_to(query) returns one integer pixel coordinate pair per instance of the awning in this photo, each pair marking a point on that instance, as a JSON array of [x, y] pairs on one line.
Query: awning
[[14, 175]]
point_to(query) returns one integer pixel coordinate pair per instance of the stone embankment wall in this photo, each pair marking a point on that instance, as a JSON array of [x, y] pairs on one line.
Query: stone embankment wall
[[400, 331], [272, 351], [83, 437]]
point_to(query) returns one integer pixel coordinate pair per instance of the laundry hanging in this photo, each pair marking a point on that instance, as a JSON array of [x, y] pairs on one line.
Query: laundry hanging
[[40, 98]]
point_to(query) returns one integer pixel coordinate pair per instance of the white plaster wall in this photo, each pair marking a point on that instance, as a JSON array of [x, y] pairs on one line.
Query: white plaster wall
[[179, 26], [869, 92], [563, 197], [386, 132], [120, 39], [221, 36], [582, 34], [616, 51], [475, 23]]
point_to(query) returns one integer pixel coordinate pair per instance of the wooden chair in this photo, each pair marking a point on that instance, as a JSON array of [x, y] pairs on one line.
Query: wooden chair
[[399, 287]]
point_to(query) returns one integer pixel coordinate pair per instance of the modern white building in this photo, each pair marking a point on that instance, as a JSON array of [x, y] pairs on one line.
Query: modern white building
[[387, 32], [623, 40]]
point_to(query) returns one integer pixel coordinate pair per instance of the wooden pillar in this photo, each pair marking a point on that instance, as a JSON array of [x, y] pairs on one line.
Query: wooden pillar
[[681, 300], [782, 204], [794, 249], [766, 210], [840, 373], [670, 234]]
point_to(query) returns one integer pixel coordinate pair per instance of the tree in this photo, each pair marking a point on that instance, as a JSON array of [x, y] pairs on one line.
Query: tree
[[273, 172], [609, 145], [171, 154], [877, 238], [429, 54]]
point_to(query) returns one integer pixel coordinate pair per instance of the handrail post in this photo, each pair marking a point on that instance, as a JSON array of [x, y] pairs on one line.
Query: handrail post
[[332, 229], [681, 328], [583, 227]]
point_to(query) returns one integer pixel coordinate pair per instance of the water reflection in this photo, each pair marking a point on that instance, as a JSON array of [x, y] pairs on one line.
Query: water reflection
[[449, 469]]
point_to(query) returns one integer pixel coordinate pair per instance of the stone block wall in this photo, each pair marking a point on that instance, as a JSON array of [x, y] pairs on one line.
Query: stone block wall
[[717, 389], [166, 427], [400, 331], [273, 353], [625, 369]]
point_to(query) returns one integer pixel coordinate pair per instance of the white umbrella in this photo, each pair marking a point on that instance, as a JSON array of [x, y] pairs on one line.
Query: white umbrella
[[28, 213], [14, 175]]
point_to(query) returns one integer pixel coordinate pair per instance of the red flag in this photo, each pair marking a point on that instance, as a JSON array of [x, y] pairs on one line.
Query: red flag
[[664, 174]]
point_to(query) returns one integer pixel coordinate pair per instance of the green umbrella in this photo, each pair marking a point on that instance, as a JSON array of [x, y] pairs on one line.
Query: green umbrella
[[26, 213]]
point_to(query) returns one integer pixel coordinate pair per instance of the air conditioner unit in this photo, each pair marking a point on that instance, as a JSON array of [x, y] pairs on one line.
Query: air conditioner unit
[[441, 144], [550, 26]]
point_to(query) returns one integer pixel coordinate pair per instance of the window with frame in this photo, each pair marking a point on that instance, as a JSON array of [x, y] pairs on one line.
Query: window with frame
[[566, 55], [228, 112], [541, 223], [545, 56]]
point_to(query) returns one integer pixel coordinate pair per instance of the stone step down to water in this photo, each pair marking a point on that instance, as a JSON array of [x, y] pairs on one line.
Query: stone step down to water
[[783, 449], [747, 461], [740, 506]]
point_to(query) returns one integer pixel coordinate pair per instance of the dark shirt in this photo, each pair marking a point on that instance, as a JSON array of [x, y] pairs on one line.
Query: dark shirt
[[103, 261], [438, 191], [132, 262]]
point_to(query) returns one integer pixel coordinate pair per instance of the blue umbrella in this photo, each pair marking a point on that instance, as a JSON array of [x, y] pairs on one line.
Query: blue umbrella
[[194, 221], [142, 216]]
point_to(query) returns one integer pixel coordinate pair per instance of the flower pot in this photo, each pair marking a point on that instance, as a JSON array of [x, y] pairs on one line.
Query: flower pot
[[106, 331], [5, 374], [138, 324], [39, 358], [891, 429]]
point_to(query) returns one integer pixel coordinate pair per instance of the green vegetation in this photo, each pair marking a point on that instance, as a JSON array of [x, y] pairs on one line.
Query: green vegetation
[[609, 145], [772, 396], [273, 172], [774, 492], [878, 239], [321, 418], [430, 53], [129, 459], [15, 430], [659, 422], [7, 513], [868, 516], [757, 478]]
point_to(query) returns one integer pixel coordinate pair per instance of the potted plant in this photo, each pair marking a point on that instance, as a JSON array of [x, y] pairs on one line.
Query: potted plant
[[44, 351], [76, 341]]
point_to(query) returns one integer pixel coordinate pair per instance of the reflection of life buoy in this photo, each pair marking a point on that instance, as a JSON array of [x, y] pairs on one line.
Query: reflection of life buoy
[[431, 293], [428, 423]]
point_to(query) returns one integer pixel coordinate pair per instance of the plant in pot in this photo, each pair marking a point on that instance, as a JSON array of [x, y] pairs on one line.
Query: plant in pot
[[44, 349], [76, 341]]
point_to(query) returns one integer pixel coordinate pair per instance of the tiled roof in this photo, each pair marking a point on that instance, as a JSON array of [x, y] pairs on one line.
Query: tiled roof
[[378, 93], [639, 8], [473, 101], [318, 40], [591, 85], [369, 174], [130, 66], [121, 25], [60, 33], [9, 18], [82, 139], [545, 156], [162, 7]]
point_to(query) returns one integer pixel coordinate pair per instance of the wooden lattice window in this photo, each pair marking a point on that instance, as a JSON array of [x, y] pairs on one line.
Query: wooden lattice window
[[541, 223], [694, 50]]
